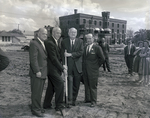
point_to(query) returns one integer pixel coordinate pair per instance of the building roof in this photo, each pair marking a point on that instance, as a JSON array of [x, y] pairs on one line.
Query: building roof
[[94, 16], [4, 33]]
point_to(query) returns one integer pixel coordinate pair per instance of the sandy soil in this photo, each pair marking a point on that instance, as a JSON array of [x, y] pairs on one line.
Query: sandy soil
[[119, 96]]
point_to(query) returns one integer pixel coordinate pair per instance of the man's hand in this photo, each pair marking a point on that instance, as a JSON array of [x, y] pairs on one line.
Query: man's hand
[[67, 54], [65, 67], [38, 74], [65, 72]]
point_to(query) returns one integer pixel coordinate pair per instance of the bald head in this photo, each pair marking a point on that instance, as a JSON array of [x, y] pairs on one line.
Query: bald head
[[56, 32], [72, 33], [103, 40], [89, 38], [42, 34]]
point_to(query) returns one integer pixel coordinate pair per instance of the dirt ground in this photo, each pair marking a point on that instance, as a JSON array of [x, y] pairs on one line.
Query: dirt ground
[[119, 96]]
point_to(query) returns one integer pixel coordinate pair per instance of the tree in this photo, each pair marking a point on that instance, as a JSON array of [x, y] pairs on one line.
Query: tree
[[16, 31], [130, 33], [140, 35], [56, 22]]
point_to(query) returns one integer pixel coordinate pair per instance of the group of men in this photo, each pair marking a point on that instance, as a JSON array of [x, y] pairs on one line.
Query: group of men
[[47, 59]]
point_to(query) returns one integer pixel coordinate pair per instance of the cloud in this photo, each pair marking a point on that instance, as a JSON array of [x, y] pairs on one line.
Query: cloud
[[13, 22], [136, 23], [32, 14]]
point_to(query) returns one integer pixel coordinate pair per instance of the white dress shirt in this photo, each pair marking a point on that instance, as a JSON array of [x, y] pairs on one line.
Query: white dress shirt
[[55, 41], [71, 42], [90, 46], [41, 42]]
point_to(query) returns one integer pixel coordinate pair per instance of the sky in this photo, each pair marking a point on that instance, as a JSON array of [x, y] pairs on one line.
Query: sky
[[30, 15]]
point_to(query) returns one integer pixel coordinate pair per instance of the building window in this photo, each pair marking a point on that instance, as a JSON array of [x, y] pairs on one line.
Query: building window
[[89, 21], [123, 26], [68, 22], [112, 36], [112, 30], [77, 21], [105, 23], [108, 23], [122, 37], [122, 31], [95, 22], [3, 39], [117, 25], [8, 38], [84, 21], [100, 23], [112, 24], [117, 31]]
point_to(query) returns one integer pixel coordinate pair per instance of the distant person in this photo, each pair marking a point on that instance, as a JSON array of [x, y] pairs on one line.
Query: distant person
[[144, 66], [92, 59], [74, 48], [96, 37], [137, 59], [105, 48], [38, 71], [55, 69], [129, 56], [4, 60]]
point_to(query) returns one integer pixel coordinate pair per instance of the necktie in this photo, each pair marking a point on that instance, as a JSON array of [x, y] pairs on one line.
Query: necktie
[[129, 49], [72, 45], [87, 49]]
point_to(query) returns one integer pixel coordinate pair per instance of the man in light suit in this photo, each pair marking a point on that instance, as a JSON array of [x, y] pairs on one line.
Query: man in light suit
[[105, 48], [55, 69], [92, 59], [38, 70], [74, 48], [129, 55]]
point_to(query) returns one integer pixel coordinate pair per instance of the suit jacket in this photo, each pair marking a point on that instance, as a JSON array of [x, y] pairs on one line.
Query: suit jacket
[[38, 59], [105, 48], [132, 50], [76, 53], [93, 60], [54, 57], [4, 61]]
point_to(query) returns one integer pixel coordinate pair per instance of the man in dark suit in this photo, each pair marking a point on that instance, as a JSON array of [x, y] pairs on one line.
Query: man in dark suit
[[129, 55], [74, 48], [92, 59], [55, 69], [105, 48], [38, 70]]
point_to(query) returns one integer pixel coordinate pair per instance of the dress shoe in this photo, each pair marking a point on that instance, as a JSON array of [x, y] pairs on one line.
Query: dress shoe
[[37, 114], [87, 101], [48, 107], [92, 104], [109, 71], [74, 103], [42, 111], [59, 109]]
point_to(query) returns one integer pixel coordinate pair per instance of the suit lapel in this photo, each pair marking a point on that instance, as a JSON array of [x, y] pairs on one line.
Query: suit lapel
[[41, 46], [68, 46], [75, 44], [84, 53], [57, 48]]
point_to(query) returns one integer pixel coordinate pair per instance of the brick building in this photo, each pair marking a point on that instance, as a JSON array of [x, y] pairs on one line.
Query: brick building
[[114, 30]]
